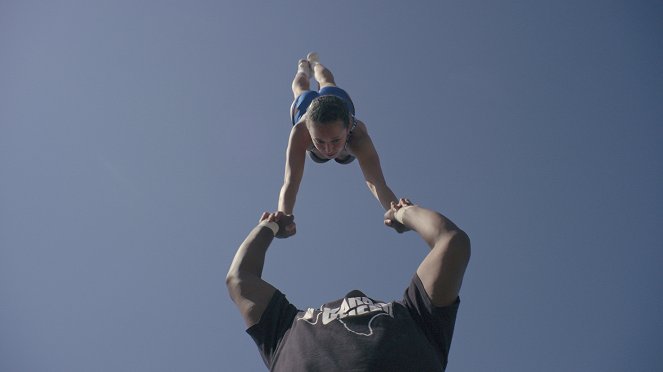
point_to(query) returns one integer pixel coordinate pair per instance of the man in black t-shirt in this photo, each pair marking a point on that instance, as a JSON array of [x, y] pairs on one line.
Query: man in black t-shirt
[[356, 332]]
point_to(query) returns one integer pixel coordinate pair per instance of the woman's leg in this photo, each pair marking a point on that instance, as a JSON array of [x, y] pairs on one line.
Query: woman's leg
[[301, 83], [322, 74]]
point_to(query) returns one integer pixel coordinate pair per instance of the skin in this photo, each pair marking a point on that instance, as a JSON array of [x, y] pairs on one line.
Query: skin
[[441, 271], [250, 293], [328, 141]]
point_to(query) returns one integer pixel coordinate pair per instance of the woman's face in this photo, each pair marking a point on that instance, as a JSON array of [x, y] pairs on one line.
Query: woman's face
[[328, 138]]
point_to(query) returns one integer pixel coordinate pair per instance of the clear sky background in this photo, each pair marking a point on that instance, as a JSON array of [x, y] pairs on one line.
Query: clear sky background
[[141, 140]]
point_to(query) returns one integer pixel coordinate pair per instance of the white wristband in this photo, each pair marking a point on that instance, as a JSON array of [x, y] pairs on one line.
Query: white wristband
[[272, 225], [398, 216]]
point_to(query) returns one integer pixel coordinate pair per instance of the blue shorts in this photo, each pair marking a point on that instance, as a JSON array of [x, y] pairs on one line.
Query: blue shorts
[[302, 102]]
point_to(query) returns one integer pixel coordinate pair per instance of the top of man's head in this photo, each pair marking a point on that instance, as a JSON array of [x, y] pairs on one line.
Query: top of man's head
[[328, 109], [355, 293]]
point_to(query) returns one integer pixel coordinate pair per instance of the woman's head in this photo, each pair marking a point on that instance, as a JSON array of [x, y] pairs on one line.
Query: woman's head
[[328, 122], [327, 109]]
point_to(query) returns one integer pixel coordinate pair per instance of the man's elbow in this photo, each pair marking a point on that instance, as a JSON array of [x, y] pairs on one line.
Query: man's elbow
[[236, 286], [452, 236], [236, 283], [232, 282], [460, 244]]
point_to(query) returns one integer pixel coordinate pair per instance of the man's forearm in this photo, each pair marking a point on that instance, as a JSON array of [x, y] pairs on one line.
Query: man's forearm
[[431, 225], [250, 257]]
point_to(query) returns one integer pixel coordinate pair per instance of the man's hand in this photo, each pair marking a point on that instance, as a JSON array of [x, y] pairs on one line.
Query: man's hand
[[286, 222], [389, 218]]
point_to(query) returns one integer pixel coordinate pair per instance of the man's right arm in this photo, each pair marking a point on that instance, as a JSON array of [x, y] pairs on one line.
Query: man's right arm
[[244, 280], [294, 168]]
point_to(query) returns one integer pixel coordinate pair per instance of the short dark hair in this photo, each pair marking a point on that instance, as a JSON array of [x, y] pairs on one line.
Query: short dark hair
[[327, 109]]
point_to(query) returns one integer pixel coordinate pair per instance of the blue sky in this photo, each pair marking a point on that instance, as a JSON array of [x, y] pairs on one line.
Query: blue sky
[[141, 140]]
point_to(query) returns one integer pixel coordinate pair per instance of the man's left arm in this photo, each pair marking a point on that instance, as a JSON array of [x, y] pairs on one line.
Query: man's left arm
[[442, 270], [369, 161]]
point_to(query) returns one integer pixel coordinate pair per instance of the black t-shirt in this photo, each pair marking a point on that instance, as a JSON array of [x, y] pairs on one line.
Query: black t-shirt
[[357, 333]]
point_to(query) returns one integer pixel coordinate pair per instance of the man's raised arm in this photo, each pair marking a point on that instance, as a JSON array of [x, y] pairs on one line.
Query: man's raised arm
[[244, 280], [441, 272]]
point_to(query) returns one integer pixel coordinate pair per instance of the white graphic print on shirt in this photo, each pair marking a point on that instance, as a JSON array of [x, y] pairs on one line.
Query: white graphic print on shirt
[[350, 307]]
